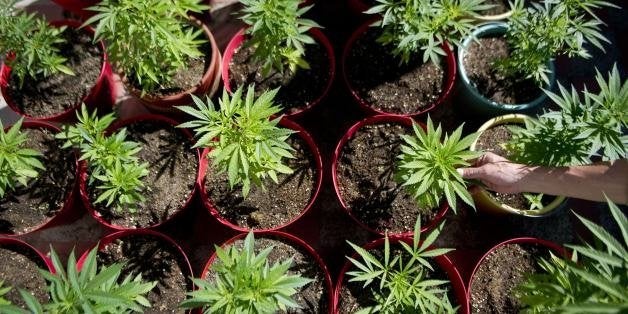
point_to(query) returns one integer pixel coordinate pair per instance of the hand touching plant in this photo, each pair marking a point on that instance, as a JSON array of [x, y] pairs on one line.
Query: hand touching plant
[[18, 164]]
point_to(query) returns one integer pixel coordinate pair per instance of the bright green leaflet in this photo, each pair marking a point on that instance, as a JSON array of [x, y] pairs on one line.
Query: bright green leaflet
[[18, 164]]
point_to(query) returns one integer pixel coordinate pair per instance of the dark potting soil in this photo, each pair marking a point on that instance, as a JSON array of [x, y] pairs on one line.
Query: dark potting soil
[[478, 62], [29, 206], [297, 90], [499, 7], [19, 269], [492, 290], [366, 180], [59, 92], [172, 166], [274, 206], [312, 298], [384, 83], [156, 260]]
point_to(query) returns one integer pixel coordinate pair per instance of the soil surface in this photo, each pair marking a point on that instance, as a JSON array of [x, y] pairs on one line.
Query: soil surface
[[157, 261], [499, 7], [499, 274], [478, 62], [380, 79], [19, 268], [172, 166], [297, 90], [312, 297], [59, 92], [366, 179], [274, 206], [29, 206]]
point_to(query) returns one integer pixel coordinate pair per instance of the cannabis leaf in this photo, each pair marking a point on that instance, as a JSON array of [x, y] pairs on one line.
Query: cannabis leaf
[[18, 164]]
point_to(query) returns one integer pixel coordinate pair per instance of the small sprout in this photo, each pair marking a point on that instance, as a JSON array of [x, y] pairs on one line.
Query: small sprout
[[3, 291], [535, 200], [18, 165]]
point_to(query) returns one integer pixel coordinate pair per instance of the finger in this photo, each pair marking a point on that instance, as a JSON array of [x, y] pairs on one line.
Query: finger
[[471, 172], [492, 157]]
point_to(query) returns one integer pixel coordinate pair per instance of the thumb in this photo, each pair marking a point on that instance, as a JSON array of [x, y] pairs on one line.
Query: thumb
[[471, 172]]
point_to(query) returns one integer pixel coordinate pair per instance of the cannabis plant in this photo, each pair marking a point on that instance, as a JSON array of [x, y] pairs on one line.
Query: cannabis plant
[[244, 282], [3, 291], [427, 165], [593, 280], [411, 26], [112, 159], [401, 280], [278, 33], [244, 140], [30, 44], [148, 40], [18, 164]]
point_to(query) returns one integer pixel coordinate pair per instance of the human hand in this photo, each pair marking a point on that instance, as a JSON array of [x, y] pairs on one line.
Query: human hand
[[497, 173]]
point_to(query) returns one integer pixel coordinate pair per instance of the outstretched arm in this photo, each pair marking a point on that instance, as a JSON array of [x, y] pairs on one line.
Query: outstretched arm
[[588, 182]]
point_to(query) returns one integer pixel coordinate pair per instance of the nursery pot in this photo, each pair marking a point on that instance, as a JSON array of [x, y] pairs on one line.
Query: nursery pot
[[68, 209], [316, 156], [13, 242], [379, 119], [78, 7], [485, 201], [450, 76], [101, 94], [83, 175], [443, 262], [239, 38], [467, 94]]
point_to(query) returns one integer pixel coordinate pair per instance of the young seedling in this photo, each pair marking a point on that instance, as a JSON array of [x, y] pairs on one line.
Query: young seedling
[[401, 280], [148, 40], [18, 164], [412, 26], [244, 282], [30, 45], [244, 140], [3, 291], [427, 165], [278, 33]]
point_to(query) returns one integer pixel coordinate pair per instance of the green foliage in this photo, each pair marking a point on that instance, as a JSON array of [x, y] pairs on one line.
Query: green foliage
[[244, 282], [423, 25], [427, 166], [18, 164], [3, 291], [278, 33], [148, 40], [538, 33], [115, 168], [6, 307], [402, 279], [593, 280], [244, 141], [31, 44]]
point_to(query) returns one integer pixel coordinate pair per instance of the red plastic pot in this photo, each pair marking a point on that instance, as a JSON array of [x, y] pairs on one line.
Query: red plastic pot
[[450, 76], [357, 7], [83, 174], [8, 242], [379, 119], [318, 36], [68, 210], [296, 242], [100, 96], [78, 7], [286, 123], [442, 261]]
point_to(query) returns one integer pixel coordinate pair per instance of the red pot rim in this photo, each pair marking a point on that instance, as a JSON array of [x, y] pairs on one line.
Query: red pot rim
[[18, 242], [115, 126], [450, 76], [77, 6], [443, 262], [104, 79], [379, 119], [291, 239], [237, 40], [319, 180], [356, 6]]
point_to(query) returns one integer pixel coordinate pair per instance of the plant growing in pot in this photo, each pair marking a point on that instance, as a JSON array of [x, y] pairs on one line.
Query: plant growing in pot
[[261, 175], [280, 48], [50, 69], [162, 53], [396, 67]]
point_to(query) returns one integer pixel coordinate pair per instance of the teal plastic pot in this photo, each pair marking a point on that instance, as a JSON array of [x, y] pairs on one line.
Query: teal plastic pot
[[469, 97]]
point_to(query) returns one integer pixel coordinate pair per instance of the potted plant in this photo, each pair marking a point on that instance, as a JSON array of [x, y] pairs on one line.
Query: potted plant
[[504, 66], [279, 48], [264, 173], [396, 66], [388, 170], [50, 69], [498, 10], [400, 277], [264, 273], [37, 179], [162, 53]]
